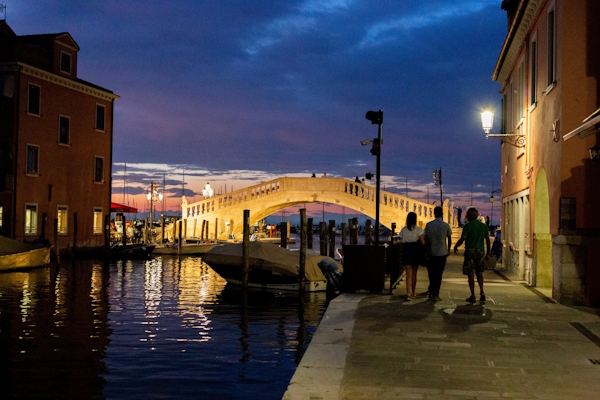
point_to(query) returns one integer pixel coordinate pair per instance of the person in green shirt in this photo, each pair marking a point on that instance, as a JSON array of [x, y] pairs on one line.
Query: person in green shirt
[[474, 234]]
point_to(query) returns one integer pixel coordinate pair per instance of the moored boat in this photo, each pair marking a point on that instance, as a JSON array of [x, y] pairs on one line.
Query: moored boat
[[17, 255], [186, 249], [271, 267], [136, 251]]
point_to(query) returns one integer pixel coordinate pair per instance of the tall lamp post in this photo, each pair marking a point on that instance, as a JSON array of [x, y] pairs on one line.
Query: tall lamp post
[[376, 117], [153, 196], [437, 181]]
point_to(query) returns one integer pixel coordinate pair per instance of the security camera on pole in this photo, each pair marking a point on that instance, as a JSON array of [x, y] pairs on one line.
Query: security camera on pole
[[437, 181]]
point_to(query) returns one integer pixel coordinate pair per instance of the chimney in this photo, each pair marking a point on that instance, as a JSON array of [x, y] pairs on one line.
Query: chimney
[[510, 6]]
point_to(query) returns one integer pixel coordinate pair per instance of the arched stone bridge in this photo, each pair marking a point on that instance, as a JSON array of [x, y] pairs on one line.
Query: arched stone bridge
[[224, 214]]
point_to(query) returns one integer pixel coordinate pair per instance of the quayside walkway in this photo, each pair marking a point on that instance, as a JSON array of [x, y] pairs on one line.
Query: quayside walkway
[[519, 344]]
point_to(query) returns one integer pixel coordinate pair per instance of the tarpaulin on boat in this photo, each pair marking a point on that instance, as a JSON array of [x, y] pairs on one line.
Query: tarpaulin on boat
[[116, 207], [267, 256]]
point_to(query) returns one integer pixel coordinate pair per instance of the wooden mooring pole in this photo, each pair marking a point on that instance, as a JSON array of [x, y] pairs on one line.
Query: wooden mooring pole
[[56, 247], [180, 222], [323, 238], [309, 232], [368, 232], [354, 236], [332, 238], [283, 236], [246, 250], [302, 271], [74, 235]]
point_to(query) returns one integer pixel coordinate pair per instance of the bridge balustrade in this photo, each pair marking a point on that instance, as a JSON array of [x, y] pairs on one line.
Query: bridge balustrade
[[268, 197]]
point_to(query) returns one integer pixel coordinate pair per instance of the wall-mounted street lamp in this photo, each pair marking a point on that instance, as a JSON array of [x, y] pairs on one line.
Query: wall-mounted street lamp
[[376, 117], [207, 192], [594, 155], [487, 122]]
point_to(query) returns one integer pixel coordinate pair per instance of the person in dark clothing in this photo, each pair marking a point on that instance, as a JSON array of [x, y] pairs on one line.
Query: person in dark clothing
[[437, 235]]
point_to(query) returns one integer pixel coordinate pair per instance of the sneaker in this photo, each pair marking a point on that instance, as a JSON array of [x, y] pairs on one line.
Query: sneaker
[[425, 293], [437, 298], [471, 299], [408, 298], [482, 298]]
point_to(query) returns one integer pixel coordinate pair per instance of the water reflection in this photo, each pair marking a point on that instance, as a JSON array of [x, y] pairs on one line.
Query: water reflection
[[163, 328]]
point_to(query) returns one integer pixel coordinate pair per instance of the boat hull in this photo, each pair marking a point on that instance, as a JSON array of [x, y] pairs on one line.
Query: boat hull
[[28, 259], [266, 280], [130, 252], [186, 249]]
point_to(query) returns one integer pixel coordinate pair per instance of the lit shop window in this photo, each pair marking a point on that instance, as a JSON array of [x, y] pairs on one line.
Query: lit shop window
[[30, 219], [97, 220], [61, 216]]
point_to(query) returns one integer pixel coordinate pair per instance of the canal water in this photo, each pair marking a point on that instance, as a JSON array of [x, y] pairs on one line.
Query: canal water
[[160, 329]]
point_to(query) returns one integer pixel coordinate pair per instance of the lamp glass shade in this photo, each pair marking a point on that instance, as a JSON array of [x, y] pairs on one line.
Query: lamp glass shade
[[487, 120], [149, 196], [491, 198]]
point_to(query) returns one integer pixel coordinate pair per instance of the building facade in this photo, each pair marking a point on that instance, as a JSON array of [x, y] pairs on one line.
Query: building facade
[[55, 143], [549, 69]]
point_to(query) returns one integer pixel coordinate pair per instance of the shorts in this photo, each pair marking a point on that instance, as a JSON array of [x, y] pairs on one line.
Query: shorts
[[474, 262]]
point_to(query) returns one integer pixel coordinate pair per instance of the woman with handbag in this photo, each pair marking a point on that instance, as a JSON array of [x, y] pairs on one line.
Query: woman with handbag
[[413, 242]]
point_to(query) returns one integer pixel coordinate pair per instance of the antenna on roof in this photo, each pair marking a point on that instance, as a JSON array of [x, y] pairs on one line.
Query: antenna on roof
[[2, 12]]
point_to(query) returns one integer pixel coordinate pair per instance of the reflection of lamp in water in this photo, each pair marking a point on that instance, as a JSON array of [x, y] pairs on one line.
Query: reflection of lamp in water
[[207, 191]]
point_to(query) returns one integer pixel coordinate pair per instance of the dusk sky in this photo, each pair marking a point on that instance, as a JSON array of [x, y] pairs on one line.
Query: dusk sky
[[239, 92]]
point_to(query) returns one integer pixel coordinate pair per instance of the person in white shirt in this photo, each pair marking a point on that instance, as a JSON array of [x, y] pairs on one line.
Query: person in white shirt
[[410, 235]]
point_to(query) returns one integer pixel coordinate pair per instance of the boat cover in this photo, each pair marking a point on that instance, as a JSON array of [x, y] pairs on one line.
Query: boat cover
[[269, 257]]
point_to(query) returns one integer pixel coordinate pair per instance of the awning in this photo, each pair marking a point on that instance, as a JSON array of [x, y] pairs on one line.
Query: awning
[[588, 123], [116, 207]]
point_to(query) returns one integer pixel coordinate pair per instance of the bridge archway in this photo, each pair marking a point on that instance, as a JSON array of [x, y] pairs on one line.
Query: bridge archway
[[223, 215]]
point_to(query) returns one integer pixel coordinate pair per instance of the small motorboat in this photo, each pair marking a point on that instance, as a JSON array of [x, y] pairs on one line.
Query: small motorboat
[[18, 255], [271, 267], [135, 251]]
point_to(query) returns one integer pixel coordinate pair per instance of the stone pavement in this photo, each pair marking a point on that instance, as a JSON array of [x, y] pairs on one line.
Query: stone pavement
[[519, 344]]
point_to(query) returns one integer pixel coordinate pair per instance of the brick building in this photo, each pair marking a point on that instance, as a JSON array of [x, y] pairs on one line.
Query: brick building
[[549, 69], [55, 143]]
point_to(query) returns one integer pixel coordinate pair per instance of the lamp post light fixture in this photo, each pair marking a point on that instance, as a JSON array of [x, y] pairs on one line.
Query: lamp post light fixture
[[376, 117], [207, 192], [153, 196], [487, 123]]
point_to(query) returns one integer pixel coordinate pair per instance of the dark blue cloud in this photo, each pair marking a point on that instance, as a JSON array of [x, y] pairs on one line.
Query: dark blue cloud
[[283, 86]]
